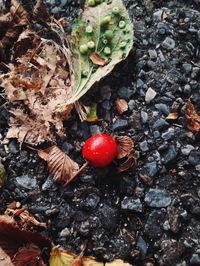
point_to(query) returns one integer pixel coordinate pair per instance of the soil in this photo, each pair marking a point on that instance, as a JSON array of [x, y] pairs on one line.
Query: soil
[[148, 216]]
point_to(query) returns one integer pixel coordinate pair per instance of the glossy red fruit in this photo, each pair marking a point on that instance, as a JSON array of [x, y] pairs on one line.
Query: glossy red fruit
[[100, 150]]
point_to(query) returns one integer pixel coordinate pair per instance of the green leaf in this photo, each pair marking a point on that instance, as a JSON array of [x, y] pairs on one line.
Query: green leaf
[[2, 174], [112, 47], [92, 114]]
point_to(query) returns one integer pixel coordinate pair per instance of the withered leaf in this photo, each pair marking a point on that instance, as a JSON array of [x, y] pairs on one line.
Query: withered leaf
[[18, 19], [97, 59], [121, 106], [192, 118], [41, 12], [5, 259], [12, 237], [26, 218], [172, 116], [28, 255], [130, 163], [125, 146], [60, 165]]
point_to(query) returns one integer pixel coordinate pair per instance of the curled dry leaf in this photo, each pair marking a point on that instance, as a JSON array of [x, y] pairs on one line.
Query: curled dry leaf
[[129, 163], [14, 21], [26, 218], [29, 255], [40, 81], [121, 106], [40, 12], [12, 236], [97, 59], [2, 174], [60, 165], [5, 259], [192, 118], [172, 116], [125, 146]]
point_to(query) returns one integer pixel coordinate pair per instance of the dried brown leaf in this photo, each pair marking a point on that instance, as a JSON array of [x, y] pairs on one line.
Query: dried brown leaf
[[97, 59], [12, 237], [192, 118], [60, 165], [130, 163], [28, 255], [41, 12], [125, 146], [121, 106], [26, 218], [172, 116], [5, 259], [18, 18]]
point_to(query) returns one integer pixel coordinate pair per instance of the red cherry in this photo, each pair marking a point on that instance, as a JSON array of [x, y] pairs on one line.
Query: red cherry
[[100, 150]]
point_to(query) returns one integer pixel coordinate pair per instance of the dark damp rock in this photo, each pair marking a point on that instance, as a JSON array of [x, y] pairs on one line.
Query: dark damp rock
[[150, 95], [163, 108], [131, 105], [191, 204], [142, 246], [157, 198], [127, 185], [91, 201], [153, 54], [160, 124], [169, 134], [120, 124], [144, 146], [185, 150], [187, 68], [65, 232], [48, 183], [67, 147], [194, 158], [120, 245], [170, 251], [144, 117], [125, 93], [13, 147], [154, 224], [131, 204], [152, 168], [195, 260], [108, 216], [27, 182], [53, 211], [95, 129], [87, 179], [168, 44], [170, 155]]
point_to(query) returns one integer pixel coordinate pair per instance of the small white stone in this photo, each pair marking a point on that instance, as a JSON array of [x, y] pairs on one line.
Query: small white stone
[[150, 95]]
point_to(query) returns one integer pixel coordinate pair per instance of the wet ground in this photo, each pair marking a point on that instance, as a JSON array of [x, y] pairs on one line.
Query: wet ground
[[151, 214]]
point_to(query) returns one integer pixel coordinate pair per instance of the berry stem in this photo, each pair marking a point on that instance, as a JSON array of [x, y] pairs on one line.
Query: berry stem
[[77, 173]]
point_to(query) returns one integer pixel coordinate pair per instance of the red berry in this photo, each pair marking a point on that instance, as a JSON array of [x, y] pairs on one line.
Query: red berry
[[100, 150]]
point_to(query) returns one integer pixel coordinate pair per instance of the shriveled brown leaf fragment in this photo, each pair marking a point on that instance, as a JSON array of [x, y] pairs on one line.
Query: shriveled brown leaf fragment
[[125, 146], [97, 59], [14, 236], [121, 106], [172, 116], [5, 259], [41, 12], [28, 255], [60, 165], [129, 164], [192, 118]]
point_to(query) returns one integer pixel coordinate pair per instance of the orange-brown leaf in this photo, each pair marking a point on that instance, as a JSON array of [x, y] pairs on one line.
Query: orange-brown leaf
[[192, 118], [60, 165], [172, 116], [125, 146], [130, 163], [29, 255], [121, 106], [97, 59], [41, 12]]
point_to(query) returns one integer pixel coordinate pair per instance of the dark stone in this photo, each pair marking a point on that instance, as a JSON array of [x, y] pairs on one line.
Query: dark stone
[[91, 201], [157, 198], [160, 124], [144, 146], [152, 168], [131, 204], [163, 108], [170, 155], [194, 158], [108, 216], [168, 44], [120, 124], [195, 260], [142, 246]]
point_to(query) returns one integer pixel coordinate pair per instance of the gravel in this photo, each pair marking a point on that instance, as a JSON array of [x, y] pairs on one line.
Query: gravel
[[149, 215]]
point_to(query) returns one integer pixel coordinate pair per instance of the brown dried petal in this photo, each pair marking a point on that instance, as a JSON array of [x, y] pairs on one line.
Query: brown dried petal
[[172, 116], [97, 59], [130, 163], [125, 146], [29, 255], [121, 106], [41, 12], [60, 165], [192, 118]]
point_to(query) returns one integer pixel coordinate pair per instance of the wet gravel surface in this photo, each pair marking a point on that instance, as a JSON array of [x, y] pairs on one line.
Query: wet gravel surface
[[150, 216]]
